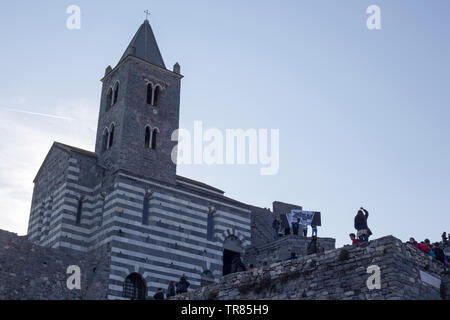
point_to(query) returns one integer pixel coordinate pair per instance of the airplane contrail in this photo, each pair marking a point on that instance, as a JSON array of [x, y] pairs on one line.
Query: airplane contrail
[[39, 114]]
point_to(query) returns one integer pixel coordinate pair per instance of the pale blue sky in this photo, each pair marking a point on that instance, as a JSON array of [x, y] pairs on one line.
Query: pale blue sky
[[363, 115]]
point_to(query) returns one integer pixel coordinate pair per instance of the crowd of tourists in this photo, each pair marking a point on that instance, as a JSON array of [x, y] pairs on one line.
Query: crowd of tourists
[[237, 265], [297, 227], [435, 250], [173, 289]]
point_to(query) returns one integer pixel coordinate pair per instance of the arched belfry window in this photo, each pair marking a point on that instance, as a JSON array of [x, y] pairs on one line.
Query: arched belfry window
[[154, 137], [134, 287], [109, 99], [116, 93], [105, 139], [147, 137], [111, 136], [153, 93], [156, 96], [149, 93]]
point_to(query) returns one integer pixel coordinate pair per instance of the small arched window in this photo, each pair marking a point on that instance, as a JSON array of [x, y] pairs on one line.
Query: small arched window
[[149, 93], [108, 99], [105, 138], [154, 136], [79, 210], [145, 212], [111, 136], [210, 225], [116, 93], [156, 96], [134, 287], [147, 137]]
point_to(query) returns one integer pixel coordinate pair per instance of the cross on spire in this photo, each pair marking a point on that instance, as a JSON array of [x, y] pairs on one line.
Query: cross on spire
[[147, 13]]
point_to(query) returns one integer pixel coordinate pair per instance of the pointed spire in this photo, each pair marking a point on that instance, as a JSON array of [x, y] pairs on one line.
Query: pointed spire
[[144, 46]]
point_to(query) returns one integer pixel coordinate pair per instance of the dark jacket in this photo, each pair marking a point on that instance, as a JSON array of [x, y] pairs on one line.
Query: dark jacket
[[182, 286], [361, 220], [287, 231], [237, 265], [440, 255], [170, 291], [159, 296], [276, 224], [295, 227]]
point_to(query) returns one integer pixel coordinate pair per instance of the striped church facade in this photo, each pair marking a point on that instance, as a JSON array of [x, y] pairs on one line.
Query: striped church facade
[[125, 200], [158, 230]]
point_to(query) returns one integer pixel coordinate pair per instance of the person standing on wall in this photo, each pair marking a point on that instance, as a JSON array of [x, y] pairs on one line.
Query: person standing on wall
[[171, 290], [295, 227], [353, 239], [314, 230], [361, 225], [237, 265], [159, 295], [287, 230], [305, 230], [182, 285], [276, 228], [445, 239]]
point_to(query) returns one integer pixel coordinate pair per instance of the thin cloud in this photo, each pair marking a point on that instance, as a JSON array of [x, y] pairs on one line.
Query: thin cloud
[[25, 143], [38, 114]]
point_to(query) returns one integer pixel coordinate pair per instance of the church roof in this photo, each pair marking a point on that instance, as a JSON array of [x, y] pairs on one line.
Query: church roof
[[199, 184], [145, 46], [65, 148], [74, 149]]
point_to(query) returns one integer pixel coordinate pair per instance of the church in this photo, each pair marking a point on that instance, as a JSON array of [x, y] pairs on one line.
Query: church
[[126, 198]]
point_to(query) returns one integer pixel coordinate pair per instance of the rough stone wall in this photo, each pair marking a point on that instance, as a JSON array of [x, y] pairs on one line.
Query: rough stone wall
[[280, 250], [261, 222], [445, 287], [337, 275], [50, 178], [32, 272]]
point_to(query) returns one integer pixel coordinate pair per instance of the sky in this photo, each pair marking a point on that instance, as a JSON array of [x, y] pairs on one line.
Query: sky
[[362, 114]]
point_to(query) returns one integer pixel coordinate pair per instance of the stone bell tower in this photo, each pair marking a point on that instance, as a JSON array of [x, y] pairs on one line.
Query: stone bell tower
[[139, 111]]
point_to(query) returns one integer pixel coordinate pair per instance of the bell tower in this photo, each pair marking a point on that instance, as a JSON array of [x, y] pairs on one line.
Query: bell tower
[[139, 111]]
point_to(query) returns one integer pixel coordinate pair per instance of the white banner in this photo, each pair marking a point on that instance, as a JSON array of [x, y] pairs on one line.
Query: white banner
[[306, 217]]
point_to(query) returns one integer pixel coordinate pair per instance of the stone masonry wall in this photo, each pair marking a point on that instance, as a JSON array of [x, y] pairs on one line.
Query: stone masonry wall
[[280, 250], [338, 274], [32, 272]]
